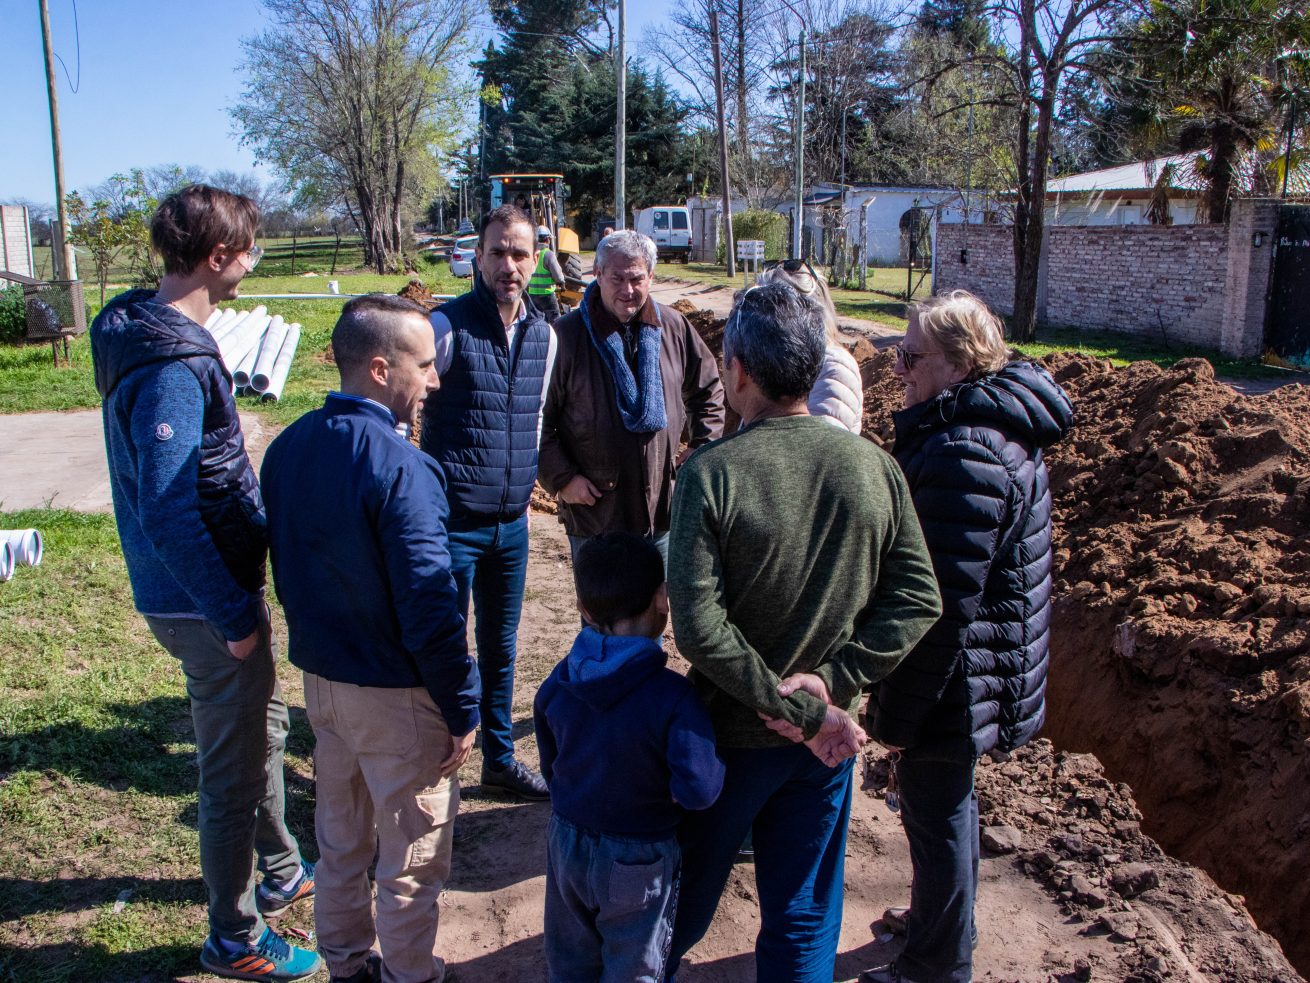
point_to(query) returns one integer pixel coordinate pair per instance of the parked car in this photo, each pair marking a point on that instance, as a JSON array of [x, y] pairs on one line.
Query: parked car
[[461, 257]]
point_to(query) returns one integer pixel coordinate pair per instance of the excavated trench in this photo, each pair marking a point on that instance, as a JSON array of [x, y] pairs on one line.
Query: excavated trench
[[1181, 636]]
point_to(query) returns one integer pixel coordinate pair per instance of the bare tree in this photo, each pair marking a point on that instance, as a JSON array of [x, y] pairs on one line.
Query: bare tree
[[350, 99], [682, 50], [1043, 45]]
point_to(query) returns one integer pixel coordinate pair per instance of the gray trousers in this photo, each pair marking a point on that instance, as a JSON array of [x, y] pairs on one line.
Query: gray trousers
[[241, 725]]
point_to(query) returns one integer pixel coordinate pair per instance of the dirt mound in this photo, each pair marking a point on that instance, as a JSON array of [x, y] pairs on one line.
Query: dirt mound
[[417, 291], [1181, 634], [1068, 826]]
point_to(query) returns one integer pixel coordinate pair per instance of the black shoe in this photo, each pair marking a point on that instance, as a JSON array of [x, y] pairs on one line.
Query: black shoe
[[517, 779], [370, 972]]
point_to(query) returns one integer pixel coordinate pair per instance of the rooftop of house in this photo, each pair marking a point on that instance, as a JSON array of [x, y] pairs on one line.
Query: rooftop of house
[[1140, 176]]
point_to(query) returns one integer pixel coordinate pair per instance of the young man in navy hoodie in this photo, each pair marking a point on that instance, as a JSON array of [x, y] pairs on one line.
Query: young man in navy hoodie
[[626, 746], [192, 525]]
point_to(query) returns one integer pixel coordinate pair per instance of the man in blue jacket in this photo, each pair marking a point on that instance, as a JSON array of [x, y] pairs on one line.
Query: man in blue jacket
[[357, 534], [494, 355], [191, 522]]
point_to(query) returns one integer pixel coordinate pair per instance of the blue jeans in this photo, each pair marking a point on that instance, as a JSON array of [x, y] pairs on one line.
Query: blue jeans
[[799, 809], [491, 563], [241, 725], [609, 906], [940, 813]]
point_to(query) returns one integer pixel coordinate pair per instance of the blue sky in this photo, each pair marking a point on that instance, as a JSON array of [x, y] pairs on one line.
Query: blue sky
[[157, 77]]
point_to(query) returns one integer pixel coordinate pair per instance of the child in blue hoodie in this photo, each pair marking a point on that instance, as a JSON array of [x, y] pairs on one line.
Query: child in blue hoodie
[[626, 746]]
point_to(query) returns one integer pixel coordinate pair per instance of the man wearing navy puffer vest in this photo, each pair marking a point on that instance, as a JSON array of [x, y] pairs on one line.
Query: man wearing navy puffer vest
[[494, 356]]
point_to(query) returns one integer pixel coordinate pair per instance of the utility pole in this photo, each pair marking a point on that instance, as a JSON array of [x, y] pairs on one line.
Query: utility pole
[[730, 252], [621, 123], [68, 263], [797, 239]]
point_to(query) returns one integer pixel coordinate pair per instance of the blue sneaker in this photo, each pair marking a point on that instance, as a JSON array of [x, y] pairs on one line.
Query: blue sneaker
[[272, 900], [271, 958]]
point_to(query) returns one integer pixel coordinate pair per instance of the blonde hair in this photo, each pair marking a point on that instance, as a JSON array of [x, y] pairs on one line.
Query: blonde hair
[[815, 288], [965, 330]]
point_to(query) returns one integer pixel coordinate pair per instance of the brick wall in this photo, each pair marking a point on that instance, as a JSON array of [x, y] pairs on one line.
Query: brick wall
[[988, 268], [1191, 284], [1166, 283]]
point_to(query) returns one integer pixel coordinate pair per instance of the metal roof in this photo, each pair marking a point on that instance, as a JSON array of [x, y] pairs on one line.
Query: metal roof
[[1138, 176]]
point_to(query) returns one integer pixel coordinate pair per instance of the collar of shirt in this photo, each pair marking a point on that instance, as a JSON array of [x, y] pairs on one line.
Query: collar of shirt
[[373, 406]]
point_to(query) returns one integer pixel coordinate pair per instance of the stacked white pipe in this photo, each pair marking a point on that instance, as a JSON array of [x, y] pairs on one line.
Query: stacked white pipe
[[19, 548], [257, 349]]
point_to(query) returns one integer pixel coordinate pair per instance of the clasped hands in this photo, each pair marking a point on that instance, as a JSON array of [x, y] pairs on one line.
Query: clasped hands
[[839, 736]]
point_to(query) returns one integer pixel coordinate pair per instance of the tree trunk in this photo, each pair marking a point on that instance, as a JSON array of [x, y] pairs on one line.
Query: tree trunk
[[1029, 263], [1024, 197], [743, 130], [1223, 153]]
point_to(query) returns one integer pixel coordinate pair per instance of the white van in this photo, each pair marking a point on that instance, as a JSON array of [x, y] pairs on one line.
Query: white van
[[670, 227]]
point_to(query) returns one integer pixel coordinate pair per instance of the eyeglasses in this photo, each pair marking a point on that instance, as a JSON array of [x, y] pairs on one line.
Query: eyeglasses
[[253, 255], [907, 357], [796, 265]]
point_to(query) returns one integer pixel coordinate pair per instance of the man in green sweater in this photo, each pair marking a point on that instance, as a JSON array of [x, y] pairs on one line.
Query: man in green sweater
[[798, 576]]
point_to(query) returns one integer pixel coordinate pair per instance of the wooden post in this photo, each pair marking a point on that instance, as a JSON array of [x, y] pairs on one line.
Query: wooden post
[[621, 123], [67, 263], [336, 249], [293, 254]]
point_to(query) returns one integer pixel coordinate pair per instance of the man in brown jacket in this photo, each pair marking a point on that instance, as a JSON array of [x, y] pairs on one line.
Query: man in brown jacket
[[630, 376]]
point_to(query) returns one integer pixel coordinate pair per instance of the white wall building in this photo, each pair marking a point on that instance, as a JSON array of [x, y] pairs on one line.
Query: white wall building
[[1121, 195]]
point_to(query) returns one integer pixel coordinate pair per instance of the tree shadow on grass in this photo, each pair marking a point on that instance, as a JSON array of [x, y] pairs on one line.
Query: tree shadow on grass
[[133, 754], [72, 962], [21, 897]]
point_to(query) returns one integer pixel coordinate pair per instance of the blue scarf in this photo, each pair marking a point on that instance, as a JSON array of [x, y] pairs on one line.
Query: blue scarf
[[640, 400]]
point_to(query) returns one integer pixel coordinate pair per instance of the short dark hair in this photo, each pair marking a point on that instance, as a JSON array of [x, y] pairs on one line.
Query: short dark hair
[[779, 336], [506, 215], [617, 575], [190, 224], [368, 327]]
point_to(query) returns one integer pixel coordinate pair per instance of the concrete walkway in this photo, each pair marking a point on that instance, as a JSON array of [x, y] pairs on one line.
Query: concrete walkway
[[57, 460]]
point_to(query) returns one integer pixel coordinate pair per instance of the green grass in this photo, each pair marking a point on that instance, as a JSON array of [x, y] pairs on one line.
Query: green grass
[[97, 772], [1121, 349], [29, 381], [873, 304]]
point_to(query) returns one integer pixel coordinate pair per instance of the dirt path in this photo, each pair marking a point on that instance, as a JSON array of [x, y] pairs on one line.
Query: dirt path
[[492, 912], [706, 296]]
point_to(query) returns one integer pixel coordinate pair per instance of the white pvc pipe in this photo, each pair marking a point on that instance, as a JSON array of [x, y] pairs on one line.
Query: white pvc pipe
[[241, 373], [218, 325], [6, 562], [25, 544], [268, 353], [236, 346], [226, 329], [282, 367]]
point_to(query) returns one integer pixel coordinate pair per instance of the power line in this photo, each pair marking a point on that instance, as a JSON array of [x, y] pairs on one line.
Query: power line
[[77, 34]]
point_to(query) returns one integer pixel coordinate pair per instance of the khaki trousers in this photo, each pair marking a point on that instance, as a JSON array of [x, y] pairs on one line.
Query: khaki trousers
[[378, 787]]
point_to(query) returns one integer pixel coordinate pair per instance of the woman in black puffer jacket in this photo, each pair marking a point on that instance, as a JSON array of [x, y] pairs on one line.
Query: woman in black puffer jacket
[[970, 442]]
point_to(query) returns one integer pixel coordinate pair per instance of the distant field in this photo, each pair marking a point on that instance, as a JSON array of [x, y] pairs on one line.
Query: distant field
[[30, 382], [282, 257]]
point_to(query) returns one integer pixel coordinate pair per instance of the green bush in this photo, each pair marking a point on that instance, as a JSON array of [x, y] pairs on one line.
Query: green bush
[[13, 315], [760, 224]]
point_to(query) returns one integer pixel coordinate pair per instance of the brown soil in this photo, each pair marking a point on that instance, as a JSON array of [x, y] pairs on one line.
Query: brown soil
[[1181, 637], [417, 291], [1036, 921]]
